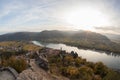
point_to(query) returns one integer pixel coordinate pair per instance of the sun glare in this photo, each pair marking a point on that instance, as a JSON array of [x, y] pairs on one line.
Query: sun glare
[[86, 18], [87, 28]]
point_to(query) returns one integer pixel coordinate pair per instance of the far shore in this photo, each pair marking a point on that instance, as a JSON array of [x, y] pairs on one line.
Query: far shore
[[85, 48]]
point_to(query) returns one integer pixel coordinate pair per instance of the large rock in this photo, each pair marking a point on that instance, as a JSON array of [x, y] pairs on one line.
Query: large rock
[[37, 73], [31, 75], [6, 75]]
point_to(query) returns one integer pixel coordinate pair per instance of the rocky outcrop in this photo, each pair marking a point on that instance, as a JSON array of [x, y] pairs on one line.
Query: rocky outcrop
[[32, 75], [29, 74], [8, 73], [37, 73]]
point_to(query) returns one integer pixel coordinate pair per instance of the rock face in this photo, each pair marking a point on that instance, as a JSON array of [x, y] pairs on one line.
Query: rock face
[[34, 73], [31, 75], [6, 75], [37, 73]]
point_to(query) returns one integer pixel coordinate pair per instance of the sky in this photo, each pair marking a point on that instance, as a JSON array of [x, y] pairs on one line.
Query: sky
[[37, 15]]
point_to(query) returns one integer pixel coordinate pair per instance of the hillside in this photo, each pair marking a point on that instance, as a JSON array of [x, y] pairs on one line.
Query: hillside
[[18, 36], [40, 63], [113, 37], [53, 34], [21, 57], [81, 39]]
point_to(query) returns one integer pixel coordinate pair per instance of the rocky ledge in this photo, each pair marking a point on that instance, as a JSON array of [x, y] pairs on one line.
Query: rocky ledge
[[37, 73]]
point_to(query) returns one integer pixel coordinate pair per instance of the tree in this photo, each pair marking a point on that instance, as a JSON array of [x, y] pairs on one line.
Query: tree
[[86, 73], [72, 72], [100, 69], [78, 62]]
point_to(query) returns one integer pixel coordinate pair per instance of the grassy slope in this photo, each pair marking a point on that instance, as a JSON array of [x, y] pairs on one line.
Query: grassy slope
[[27, 46]]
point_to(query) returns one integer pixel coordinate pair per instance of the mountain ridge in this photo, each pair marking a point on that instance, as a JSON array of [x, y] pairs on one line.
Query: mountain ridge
[[49, 34]]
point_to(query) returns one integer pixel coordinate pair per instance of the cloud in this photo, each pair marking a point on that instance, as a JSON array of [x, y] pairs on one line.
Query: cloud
[[34, 28], [24, 11], [18, 15], [109, 29]]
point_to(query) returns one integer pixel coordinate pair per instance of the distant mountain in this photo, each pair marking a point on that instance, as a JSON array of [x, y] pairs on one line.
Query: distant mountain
[[50, 34], [113, 37], [92, 36], [81, 39], [53, 34], [18, 36]]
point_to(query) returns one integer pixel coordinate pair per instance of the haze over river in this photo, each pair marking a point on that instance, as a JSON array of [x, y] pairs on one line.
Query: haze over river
[[112, 60]]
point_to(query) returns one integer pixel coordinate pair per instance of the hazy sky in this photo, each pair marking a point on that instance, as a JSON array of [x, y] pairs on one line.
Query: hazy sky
[[38, 15]]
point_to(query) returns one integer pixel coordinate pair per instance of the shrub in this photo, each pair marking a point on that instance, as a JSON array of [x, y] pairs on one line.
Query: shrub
[[86, 73], [19, 64], [100, 69], [72, 72]]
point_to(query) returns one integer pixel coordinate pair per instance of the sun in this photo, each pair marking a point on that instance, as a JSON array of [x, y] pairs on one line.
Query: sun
[[86, 18]]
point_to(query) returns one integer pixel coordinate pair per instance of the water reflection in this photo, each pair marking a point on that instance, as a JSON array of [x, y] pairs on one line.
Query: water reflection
[[110, 59]]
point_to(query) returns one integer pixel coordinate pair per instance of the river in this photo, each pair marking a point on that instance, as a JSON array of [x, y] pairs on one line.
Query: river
[[112, 60]]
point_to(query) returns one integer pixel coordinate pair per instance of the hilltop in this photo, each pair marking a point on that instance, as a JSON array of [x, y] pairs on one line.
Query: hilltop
[[39, 63], [53, 34]]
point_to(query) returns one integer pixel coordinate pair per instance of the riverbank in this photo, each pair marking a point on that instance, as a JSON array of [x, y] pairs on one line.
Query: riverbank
[[109, 59], [84, 47], [64, 63]]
